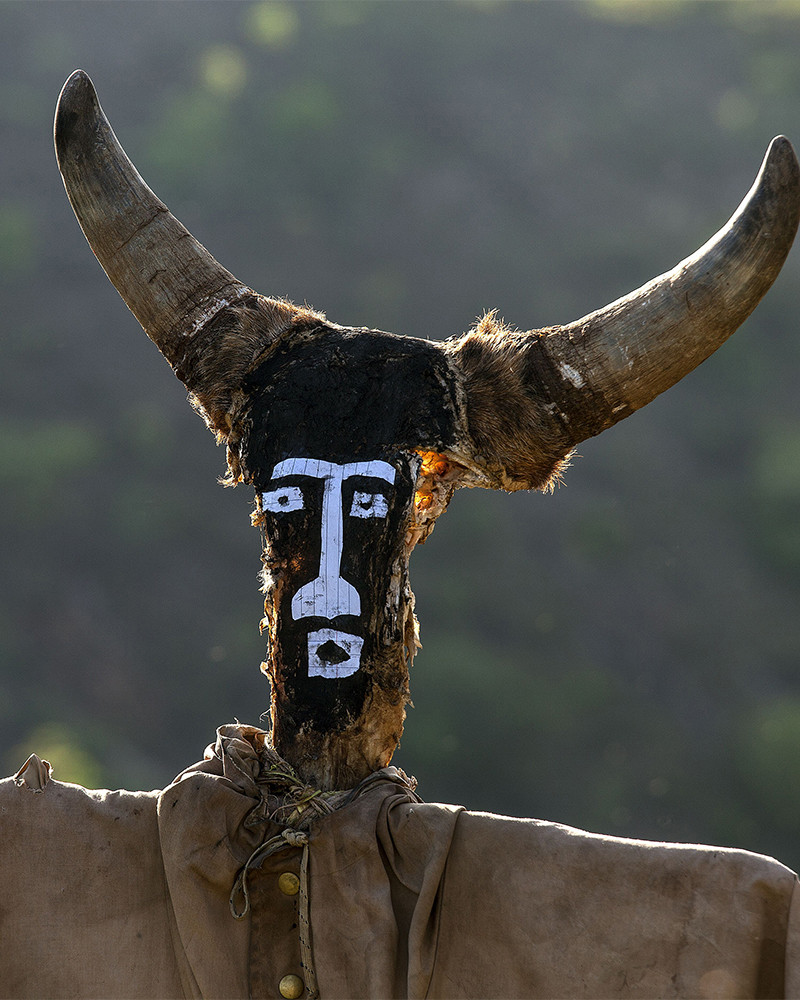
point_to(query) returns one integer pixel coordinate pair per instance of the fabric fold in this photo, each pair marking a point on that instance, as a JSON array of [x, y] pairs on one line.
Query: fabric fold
[[209, 824]]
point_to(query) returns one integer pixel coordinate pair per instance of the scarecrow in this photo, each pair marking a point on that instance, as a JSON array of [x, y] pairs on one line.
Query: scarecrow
[[300, 862]]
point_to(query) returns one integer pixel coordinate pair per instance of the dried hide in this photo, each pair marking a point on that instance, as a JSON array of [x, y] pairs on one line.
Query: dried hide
[[132, 894]]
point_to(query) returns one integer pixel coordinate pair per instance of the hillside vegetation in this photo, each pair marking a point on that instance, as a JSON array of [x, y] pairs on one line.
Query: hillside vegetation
[[623, 655]]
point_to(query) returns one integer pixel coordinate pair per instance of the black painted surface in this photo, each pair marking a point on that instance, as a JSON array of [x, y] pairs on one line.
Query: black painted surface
[[342, 396], [348, 394]]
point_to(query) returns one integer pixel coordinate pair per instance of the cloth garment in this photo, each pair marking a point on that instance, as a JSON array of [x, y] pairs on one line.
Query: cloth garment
[[133, 894]]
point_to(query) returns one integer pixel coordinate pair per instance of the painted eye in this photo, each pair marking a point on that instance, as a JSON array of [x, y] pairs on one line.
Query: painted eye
[[369, 505], [283, 500]]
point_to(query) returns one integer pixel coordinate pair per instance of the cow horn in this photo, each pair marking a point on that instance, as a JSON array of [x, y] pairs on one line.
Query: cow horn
[[572, 382], [171, 283], [640, 345]]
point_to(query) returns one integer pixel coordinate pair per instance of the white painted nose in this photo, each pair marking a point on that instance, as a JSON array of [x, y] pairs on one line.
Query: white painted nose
[[326, 597], [329, 595]]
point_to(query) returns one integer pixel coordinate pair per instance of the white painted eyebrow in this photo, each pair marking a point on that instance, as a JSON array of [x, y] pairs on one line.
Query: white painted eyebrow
[[319, 469]]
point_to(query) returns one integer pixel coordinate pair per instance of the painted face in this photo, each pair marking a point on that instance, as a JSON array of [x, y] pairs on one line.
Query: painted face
[[338, 606], [360, 490]]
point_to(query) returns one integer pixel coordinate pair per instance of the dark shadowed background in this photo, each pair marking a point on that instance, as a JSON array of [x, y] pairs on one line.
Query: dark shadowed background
[[622, 656]]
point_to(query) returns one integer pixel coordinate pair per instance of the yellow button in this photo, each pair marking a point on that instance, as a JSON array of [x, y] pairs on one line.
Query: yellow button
[[291, 987], [289, 884]]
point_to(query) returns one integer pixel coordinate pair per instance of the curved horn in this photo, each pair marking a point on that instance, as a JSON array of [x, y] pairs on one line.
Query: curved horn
[[579, 379], [171, 283]]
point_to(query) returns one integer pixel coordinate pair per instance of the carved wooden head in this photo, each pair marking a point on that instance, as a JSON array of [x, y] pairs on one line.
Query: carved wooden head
[[355, 440]]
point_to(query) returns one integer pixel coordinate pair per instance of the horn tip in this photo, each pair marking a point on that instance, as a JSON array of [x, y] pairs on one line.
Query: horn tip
[[781, 154], [77, 103], [76, 76], [77, 92], [780, 142]]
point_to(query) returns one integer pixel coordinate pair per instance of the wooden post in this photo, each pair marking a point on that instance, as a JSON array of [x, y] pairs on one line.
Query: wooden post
[[330, 441]]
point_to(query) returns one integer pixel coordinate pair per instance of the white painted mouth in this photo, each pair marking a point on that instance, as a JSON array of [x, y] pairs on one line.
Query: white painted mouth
[[333, 654]]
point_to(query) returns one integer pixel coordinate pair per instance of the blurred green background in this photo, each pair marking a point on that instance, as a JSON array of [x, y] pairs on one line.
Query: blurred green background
[[624, 655]]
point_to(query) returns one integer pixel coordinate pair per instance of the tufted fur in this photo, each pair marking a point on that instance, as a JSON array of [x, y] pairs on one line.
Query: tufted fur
[[234, 342], [519, 439]]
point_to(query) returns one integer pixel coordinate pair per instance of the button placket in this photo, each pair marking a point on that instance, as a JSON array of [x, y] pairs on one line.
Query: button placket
[[275, 959]]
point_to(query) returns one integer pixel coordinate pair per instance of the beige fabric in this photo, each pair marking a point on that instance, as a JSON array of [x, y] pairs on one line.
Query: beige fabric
[[34, 773], [123, 894], [84, 910]]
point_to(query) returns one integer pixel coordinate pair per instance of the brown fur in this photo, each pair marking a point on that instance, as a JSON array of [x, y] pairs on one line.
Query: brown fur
[[231, 345], [520, 441]]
